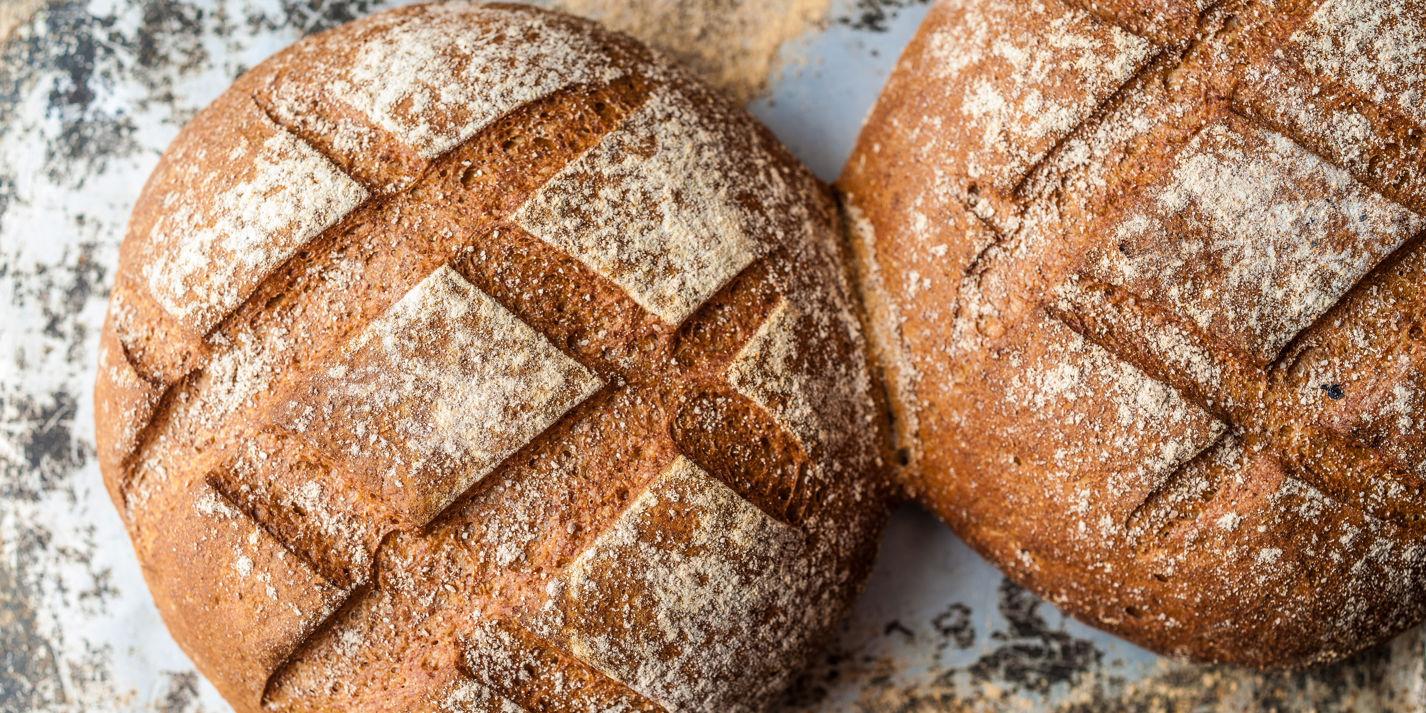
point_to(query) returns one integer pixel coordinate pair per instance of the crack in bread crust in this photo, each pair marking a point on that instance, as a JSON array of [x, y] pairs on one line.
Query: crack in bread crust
[[1237, 223], [429, 411]]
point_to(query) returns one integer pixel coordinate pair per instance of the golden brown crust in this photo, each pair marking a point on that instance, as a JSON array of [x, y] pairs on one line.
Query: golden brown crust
[[1145, 279], [467, 339]]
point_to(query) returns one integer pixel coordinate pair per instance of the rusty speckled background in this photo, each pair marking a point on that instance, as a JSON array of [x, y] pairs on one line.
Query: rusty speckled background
[[90, 93]]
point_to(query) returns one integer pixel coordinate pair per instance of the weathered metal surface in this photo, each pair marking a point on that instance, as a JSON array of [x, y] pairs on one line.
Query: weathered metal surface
[[91, 92]]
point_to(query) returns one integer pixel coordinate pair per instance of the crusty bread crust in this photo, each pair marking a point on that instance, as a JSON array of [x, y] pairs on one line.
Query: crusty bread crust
[[470, 358], [1146, 284]]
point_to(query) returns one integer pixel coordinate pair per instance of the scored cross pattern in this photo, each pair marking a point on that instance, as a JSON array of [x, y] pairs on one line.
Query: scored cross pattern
[[1295, 230], [526, 424], [1246, 239], [1182, 288]]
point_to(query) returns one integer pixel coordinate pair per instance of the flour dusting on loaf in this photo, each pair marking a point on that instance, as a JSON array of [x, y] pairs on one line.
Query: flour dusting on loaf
[[283, 195], [459, 429], [435, 393], [1149, 364], [469, 697], [433, 82], [714, 601], [768, 371], [1021, 92], [1255, 214], [1377, 48], [652, 207]]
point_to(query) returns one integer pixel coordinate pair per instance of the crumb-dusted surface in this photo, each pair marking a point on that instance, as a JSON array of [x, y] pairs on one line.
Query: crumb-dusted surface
[[467, 317], [1146, 280]]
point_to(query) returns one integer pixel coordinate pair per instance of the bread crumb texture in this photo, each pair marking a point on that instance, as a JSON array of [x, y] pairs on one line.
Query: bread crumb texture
[[469, 358], [1145, 284]]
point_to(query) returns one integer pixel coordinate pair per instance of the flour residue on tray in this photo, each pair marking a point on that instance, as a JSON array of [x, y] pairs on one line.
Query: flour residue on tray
[[732, 44], [14, 13]]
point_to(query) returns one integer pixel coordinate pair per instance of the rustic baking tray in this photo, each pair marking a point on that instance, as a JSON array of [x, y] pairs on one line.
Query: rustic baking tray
[[91, 92]]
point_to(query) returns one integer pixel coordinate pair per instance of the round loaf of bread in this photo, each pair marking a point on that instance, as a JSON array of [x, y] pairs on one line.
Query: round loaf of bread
[[469, 358], [1147, 283]]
